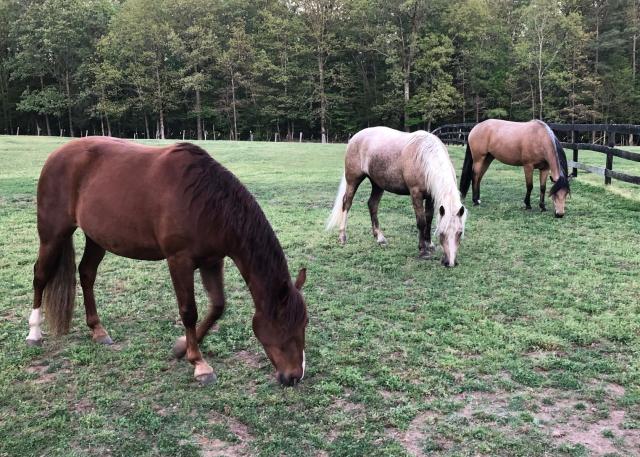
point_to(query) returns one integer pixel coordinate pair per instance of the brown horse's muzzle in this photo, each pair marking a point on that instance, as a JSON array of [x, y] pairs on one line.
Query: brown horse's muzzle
[[559, 215], [445, 263], [288, 380]]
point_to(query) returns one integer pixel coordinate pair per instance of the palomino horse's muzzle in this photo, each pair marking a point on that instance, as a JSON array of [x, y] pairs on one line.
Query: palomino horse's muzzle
[[445, 263], [559, 216]]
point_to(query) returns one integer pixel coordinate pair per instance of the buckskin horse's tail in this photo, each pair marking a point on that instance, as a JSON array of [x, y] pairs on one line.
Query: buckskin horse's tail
[[60, 292], [337, 214], [467, 172]]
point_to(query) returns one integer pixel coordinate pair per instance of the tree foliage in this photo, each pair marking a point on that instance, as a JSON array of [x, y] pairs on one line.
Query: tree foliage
[[241, 69]]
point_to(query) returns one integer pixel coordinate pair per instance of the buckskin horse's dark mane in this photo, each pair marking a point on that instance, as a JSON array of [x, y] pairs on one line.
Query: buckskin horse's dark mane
[[563, 181], [219, 199]]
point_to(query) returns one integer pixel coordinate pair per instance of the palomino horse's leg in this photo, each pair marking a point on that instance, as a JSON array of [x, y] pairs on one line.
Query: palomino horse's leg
[[212, 279], [374, 201], [428, 211], [479, 169], [528, 177], [421, 221], [181, 269], [43, 269], [93, 255], [352, 187], [544, 175]]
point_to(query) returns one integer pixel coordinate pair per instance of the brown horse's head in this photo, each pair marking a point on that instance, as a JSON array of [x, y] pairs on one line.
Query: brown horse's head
[[282, 335], [450, 230], [559, 193]]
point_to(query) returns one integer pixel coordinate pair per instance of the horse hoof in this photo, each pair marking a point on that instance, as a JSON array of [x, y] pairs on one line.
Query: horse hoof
[[34, 343], [382, 242], [424, 256], [106, 340], [528, 207], [476, 203], [543, 209], [206, 379], [342, 240], [180, 348]]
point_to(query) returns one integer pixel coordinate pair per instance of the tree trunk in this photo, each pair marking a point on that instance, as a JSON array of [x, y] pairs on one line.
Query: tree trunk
[[146, 125], [68, 88], [102, 124], [108, 125], [323, 99], [233, 104], [161, 126], [198, 115], [46, 115]]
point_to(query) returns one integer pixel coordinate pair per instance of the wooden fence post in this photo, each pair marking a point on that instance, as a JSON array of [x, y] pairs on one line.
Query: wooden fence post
[[609, 165]]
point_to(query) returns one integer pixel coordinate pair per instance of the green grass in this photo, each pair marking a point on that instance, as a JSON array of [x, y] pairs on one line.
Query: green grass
[[537, 330]]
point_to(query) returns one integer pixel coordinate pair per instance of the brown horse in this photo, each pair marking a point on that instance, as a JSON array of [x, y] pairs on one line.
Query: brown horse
[[154, 203], [528, 144], [415, 164]]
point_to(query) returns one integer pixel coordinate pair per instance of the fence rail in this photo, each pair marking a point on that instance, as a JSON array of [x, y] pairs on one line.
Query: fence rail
[[458, 133]]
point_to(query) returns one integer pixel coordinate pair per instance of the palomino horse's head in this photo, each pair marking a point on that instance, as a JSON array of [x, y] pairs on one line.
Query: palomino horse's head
[[450, 230], [559, 193], [283, 336]]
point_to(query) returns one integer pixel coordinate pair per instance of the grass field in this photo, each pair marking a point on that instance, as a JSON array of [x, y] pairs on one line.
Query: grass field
[[530, 347]]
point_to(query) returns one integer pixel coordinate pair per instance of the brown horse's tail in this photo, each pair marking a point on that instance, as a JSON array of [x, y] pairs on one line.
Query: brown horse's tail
[[60, 291], [467, 172]]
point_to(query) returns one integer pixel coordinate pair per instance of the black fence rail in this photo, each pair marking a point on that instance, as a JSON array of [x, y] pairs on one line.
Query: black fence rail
[[458, 133]]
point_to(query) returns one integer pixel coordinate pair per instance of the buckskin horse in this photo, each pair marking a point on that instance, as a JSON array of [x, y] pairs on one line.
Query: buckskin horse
[[531, 145], [415, 164], [153, 203]]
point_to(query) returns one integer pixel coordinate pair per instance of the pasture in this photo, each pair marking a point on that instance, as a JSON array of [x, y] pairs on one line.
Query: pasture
[[530, 347]]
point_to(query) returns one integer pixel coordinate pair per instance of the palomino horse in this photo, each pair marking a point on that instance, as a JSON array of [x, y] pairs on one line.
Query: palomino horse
[[173, 203], [528, 144], [415, 164]]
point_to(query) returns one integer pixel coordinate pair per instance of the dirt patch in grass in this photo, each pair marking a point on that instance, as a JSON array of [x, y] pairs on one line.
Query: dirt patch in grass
[[213, 447], [251, 359], [413, 438], [42, 372]]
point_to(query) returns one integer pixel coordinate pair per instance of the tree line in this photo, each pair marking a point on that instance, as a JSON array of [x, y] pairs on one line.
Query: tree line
[[324, 69]]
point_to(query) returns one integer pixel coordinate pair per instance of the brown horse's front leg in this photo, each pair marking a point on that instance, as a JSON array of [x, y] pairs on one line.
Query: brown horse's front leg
[[212, 279], [421, 222], [181, 269], [544, 175]]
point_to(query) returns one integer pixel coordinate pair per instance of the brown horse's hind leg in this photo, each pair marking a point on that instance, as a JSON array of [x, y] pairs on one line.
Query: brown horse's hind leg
[[44, 268], [93, 255], [374, 201], [181, 269], [421, 222], [428, 210], [528, 177], [212, 279], [544, 175], [352, 187], [479, 169]]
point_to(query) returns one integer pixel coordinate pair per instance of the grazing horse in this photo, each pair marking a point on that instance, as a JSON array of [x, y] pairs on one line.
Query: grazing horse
[[528, 144], [153, 203], [415, 164]]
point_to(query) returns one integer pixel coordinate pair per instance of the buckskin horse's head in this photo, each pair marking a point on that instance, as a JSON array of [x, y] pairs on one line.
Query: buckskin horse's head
[[282, 333]]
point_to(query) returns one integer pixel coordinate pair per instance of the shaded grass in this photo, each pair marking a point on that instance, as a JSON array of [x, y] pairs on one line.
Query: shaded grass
[[537, 305]]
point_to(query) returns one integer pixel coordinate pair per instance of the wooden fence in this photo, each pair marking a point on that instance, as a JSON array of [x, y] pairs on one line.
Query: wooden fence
[[609, 133]]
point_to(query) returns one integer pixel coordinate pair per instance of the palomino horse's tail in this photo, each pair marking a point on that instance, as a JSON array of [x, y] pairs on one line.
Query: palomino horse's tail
[[60, 292], [337, 214], [467, 172]]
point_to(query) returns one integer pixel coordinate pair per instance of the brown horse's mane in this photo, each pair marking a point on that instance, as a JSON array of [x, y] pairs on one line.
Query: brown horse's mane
[[219, 200], [563, 181]]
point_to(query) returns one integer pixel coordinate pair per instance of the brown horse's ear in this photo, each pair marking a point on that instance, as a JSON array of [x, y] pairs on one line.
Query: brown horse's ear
[[302, 277], [441, 211], [461, 212]]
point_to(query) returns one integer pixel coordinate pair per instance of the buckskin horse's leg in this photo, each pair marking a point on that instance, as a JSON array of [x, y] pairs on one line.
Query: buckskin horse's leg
[[428, 211], [544, 175], [479, 169], [181, 269], [212, 279], [421, 221], [93, 255], [374, 201], [528, 177]]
